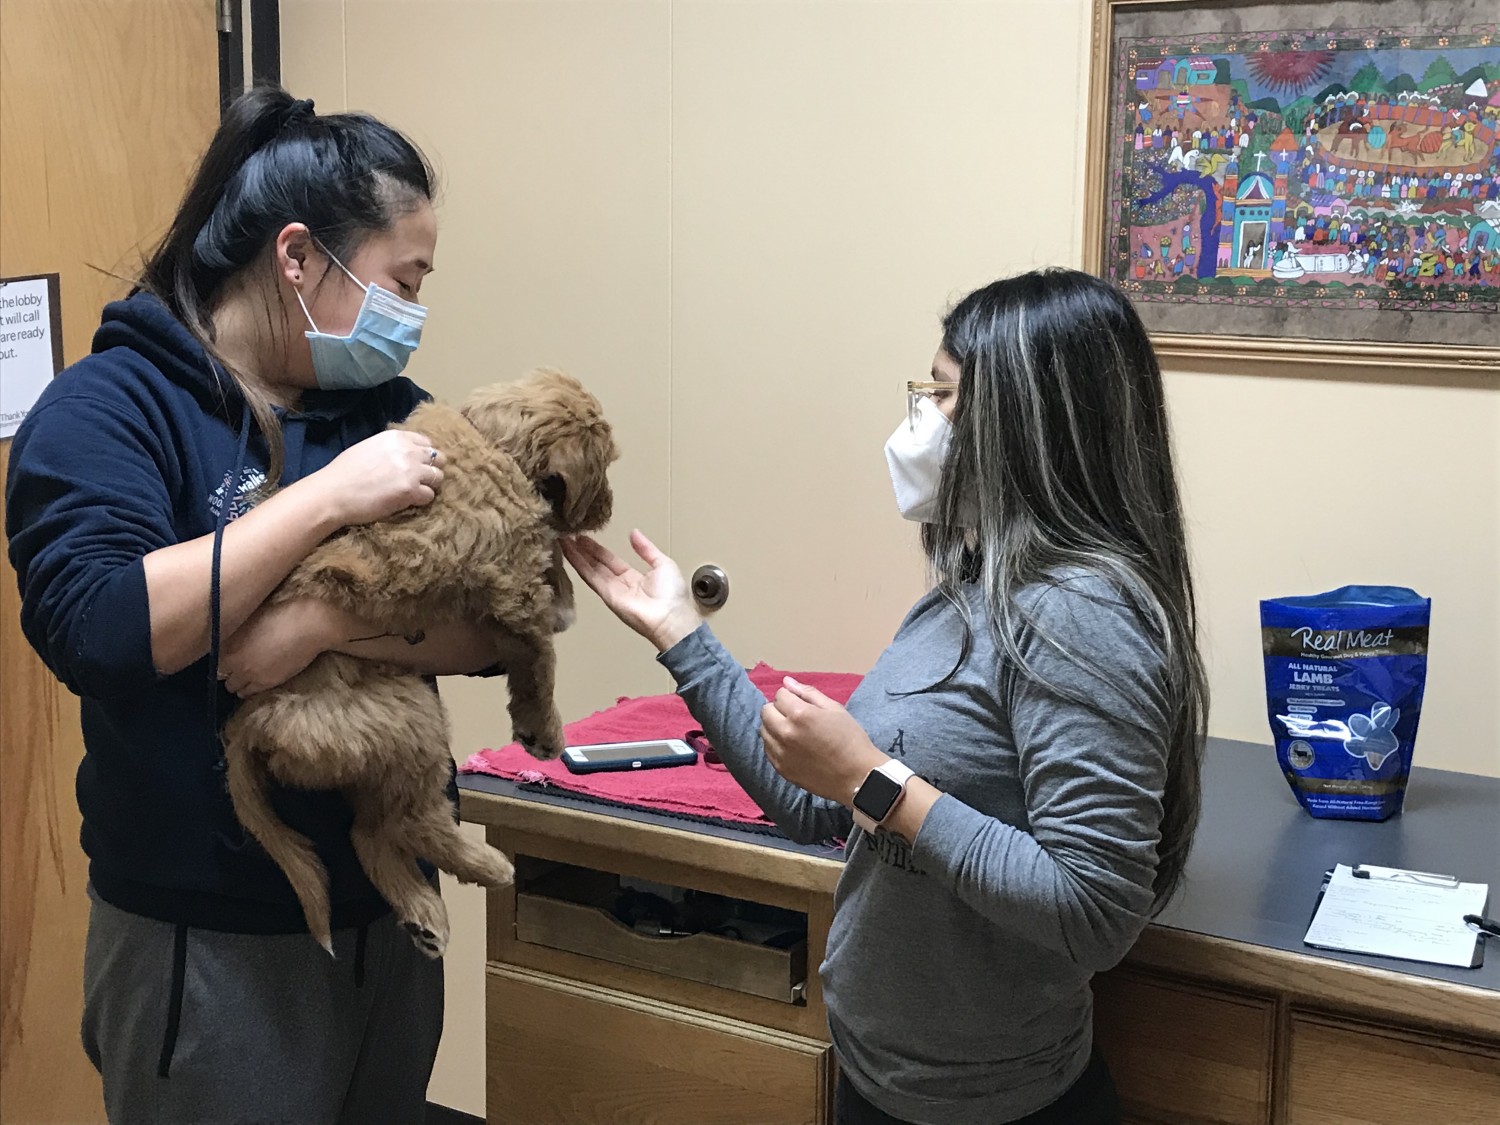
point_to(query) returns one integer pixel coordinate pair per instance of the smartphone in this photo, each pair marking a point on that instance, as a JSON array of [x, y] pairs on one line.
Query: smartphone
[[629, 755]]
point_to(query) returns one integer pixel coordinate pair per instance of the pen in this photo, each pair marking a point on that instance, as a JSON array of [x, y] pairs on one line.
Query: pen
[[1487, 926]]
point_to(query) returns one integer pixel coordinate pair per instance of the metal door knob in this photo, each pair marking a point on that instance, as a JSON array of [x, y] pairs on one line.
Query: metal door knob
[[710, 586]]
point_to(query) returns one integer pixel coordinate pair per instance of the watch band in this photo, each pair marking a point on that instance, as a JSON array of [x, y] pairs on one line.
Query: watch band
[[896, 772]]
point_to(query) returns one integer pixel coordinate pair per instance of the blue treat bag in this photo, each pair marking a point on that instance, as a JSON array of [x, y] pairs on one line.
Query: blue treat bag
[[1345, 672]]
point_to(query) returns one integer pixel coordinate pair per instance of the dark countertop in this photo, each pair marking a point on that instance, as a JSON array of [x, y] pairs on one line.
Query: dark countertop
[[1259, 859]]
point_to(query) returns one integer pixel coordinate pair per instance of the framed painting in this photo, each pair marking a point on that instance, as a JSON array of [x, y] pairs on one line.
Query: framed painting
[[1303, 182]]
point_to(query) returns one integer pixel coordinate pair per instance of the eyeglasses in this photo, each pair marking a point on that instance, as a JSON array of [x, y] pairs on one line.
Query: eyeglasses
[[916, 391]]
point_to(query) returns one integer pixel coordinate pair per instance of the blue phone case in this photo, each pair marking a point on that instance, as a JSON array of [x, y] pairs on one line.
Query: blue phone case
[[619, 765]]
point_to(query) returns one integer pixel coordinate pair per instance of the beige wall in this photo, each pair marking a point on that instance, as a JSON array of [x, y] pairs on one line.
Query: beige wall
[[739, 223]]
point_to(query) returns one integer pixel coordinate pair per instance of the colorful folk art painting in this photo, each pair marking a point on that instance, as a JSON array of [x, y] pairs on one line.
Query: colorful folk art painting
[[1355, 169]]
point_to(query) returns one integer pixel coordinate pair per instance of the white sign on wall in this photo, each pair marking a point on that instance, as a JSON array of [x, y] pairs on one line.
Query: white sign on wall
[[30, 344]]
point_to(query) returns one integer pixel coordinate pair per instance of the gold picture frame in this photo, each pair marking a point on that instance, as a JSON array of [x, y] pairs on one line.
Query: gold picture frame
[[1211, 58]]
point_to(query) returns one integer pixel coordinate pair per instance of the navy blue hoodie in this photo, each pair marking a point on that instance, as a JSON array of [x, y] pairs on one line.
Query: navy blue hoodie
[[128, 451]]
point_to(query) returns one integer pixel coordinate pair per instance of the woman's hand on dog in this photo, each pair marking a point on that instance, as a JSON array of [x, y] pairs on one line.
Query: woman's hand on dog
[[656, 604], [380, 476], [277, 642]]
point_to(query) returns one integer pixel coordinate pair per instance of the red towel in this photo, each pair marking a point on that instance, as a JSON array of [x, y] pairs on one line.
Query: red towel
[[699, 791]]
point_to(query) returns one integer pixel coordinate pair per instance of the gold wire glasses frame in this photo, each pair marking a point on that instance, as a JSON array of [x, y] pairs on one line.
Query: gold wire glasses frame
[[916, 391]]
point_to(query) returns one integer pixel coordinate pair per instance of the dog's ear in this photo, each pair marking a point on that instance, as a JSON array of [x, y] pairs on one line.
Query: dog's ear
[[576, 481]]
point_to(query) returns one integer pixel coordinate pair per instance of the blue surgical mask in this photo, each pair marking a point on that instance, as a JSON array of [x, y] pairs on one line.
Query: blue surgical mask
[[385, 333]]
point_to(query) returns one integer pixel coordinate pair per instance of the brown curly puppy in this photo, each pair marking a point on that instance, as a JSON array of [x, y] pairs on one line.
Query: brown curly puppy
[[526, 462]]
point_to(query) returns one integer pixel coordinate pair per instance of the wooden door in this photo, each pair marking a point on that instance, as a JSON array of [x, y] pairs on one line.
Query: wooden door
[[104, 106]]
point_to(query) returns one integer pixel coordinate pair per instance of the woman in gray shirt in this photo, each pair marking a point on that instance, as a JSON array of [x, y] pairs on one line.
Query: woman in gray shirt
[[1017, 777]]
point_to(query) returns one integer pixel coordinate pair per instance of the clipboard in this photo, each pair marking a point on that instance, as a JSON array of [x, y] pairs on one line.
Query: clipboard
[[1397, 913]]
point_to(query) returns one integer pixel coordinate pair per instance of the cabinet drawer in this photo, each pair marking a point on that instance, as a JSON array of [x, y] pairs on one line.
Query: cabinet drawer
[[564, 1053], [1185, 1054], [560, 906], [1349, 1073]]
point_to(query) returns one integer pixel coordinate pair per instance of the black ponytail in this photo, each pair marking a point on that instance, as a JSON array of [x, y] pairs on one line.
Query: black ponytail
[[275, 161]]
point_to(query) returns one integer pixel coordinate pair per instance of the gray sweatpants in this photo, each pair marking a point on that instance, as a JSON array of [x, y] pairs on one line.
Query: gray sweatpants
[[198, 1027]]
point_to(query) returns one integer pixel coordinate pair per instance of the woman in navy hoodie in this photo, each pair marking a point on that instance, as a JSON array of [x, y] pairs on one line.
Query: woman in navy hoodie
[[231, 416]]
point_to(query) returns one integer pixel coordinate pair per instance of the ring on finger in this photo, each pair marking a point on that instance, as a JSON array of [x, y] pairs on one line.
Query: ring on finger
[[431, 455]]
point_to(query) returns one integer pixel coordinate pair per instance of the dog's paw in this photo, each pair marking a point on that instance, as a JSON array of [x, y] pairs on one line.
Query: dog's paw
[[546, 743], [485, 867], [503, 875], [563, 617], [429, 943]]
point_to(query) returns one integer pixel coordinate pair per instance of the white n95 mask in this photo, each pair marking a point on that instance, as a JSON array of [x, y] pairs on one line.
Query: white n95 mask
[[915, 454]]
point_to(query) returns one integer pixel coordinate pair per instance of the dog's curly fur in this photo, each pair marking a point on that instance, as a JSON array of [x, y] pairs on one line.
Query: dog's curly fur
[[526, 462]]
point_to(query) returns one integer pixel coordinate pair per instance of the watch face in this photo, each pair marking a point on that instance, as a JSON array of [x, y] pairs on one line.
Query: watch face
[[876, 796]]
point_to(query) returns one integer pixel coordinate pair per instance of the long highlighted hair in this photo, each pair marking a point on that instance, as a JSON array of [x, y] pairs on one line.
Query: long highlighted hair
[[1061, 460]]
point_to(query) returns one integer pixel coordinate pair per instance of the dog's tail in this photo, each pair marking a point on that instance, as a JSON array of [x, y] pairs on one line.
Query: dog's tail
[[293, 852]]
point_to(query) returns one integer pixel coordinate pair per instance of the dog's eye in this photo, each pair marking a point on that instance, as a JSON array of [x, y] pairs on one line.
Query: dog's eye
[[554, 490]]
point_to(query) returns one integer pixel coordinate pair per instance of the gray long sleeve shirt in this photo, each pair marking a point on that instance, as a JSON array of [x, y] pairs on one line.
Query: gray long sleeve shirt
[[957, 975]]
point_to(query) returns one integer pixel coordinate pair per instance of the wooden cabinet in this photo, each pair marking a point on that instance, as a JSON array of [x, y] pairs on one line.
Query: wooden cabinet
[[1200, 1031], [590, 1022], [1186, 1053], [569, 908], [1345, 1073], [591, 1027], [564, 1053]]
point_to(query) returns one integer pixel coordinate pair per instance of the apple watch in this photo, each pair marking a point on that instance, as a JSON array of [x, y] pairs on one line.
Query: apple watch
[[879, 794]]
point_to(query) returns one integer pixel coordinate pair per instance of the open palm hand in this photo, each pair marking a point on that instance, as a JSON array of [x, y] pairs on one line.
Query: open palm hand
[[656, 604]]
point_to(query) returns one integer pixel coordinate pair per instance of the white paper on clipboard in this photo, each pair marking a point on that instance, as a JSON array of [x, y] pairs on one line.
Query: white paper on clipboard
[[1403, 914]]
